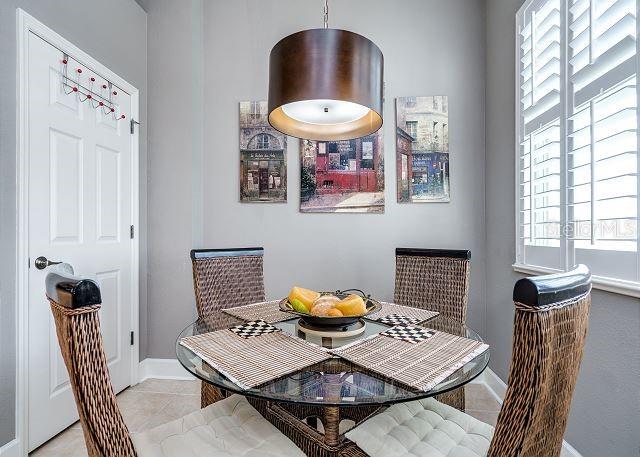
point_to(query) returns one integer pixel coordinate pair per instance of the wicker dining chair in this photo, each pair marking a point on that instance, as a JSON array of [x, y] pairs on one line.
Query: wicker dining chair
[[227, 428], [438, 280], [550, 328], [225, 278], [434, 279]]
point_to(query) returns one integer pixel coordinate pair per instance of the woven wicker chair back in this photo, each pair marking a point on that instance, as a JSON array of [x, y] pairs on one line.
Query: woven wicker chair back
[[227, 278], [224, 278], [75, 310], [435, 279], [550, 328]]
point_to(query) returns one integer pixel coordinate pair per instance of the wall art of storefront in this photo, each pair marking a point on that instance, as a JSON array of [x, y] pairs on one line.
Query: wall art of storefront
[[343, 176], [263, 175], [263, 158], [422, 149]]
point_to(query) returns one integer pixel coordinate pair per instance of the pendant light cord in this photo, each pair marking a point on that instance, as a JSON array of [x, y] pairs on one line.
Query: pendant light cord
[[326, 14]]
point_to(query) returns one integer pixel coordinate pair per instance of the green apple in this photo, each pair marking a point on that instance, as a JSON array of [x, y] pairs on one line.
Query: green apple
[[297, 305]]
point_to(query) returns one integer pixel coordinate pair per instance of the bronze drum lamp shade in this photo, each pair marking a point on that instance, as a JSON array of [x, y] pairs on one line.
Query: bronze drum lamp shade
[[326, 85]]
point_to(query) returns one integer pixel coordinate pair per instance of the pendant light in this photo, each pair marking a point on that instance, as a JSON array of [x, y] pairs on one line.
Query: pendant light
[[326, 84]]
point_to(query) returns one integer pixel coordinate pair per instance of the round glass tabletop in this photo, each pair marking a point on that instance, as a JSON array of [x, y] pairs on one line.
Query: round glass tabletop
[[335, 382]]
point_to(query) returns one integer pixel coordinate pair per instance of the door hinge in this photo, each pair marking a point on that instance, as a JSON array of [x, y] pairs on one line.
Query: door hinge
[[132, 338], [132, 231], [132, 124]]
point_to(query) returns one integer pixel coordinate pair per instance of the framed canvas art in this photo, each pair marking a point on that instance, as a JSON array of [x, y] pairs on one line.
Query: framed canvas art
[[342, 176], [263, 156], [422, 149]]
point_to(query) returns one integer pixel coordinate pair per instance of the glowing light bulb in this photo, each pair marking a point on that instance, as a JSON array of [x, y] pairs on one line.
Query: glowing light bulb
[[325, 112]]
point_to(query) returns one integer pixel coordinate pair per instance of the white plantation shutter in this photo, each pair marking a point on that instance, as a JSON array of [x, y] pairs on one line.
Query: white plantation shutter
[[539, 134], [540, 58], [577, 137]]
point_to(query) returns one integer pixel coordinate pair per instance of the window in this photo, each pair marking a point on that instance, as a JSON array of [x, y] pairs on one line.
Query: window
[[577, 151], [412, 129], [342, 155], [255, 110], [262, 142], [411, 102]]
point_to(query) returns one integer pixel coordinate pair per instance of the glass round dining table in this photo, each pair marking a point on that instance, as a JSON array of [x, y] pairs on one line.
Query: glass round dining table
[[335, 385]]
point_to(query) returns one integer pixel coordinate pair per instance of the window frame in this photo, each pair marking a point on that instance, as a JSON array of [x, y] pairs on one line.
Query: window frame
[[263, 145], [413, 133], [566, 249]]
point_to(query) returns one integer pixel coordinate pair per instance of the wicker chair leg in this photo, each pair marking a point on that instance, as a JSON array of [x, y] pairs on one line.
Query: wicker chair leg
[[210, 394], [352, 450], [454, 398]]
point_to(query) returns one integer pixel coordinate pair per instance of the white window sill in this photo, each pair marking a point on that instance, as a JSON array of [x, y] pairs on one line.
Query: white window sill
[[617, 286]]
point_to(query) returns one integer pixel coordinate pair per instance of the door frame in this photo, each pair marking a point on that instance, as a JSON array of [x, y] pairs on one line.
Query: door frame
[[26, 24]]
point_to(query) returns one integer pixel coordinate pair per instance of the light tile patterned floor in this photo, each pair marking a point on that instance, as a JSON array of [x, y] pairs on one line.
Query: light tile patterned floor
[[144, 406], [154, 402]]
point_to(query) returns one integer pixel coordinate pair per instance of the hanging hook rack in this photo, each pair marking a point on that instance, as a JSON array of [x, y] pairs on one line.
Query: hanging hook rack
[[84, 93]]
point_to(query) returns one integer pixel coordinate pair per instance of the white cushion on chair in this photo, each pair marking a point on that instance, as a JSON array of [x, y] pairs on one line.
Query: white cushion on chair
[[424, 428], [229, 427]]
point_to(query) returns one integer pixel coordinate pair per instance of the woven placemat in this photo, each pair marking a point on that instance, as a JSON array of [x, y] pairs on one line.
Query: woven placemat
[[268, 311], [401, 310], [251, 361], [422, 365]]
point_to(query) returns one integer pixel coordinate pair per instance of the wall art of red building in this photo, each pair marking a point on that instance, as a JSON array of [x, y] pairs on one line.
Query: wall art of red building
[[343, 176]]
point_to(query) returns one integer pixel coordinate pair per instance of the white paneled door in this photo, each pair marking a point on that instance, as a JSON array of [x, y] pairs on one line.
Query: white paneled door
[[80, 212]]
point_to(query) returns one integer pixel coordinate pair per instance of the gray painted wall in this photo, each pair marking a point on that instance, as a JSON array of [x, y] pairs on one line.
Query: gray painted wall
[[605, 413], [194, 157], [175, 150], [123, 49]]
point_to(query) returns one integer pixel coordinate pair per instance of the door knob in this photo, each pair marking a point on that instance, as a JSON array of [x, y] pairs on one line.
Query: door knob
[[42, 262]]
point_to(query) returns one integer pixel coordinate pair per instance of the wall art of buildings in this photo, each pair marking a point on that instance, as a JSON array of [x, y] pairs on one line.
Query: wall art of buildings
[[263, 157], [422, 149], [343, 176]]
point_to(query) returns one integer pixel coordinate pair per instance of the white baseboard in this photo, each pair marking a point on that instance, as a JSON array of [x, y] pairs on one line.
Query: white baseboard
[[569, 450], [496, 385], [162, 369], [11, 449], [498, 389]]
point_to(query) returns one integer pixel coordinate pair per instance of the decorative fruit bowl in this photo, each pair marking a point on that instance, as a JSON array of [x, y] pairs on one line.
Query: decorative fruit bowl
[[329, 309]]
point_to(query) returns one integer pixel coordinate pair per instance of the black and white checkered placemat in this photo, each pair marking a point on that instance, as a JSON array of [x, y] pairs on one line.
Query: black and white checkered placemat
[[397, 319], [409, 333], [253, 328]]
